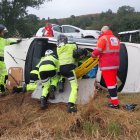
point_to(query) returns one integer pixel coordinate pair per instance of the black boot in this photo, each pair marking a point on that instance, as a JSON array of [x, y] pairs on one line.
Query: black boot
[[2, 91], [17, 89], [113, 106], [61, 85], [2, 88], [24, 89], [52, 90], [71, 108], [43, 102]]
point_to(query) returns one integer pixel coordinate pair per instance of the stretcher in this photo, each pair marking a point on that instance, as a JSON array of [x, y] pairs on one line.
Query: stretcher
[[86, 66]]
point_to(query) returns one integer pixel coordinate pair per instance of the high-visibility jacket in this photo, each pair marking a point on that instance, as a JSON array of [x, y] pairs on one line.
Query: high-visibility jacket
[[108, 47], [65, 54], [48, 63], [3, 43]]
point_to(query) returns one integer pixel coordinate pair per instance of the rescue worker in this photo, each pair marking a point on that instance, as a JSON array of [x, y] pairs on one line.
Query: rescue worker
[[3, 72], [35, 77], [48, 32], [66, 55], [108, 47], [48, 74]]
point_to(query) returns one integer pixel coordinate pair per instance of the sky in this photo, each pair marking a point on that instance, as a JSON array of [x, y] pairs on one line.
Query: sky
[[65, 8]]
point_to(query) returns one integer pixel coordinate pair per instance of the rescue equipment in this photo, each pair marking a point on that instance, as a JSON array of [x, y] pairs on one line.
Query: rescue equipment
[[86, 67]]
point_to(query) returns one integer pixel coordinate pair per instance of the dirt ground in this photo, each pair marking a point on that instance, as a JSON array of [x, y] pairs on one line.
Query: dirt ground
[[22, 119]]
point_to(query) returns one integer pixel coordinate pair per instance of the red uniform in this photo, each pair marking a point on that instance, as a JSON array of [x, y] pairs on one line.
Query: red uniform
[[48, 31], [108, 47]]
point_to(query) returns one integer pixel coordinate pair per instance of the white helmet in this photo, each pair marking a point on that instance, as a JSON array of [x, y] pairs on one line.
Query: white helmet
[[48, 52]]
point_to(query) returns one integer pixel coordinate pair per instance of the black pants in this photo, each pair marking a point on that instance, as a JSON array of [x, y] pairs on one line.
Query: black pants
[[46, 74], [66, 70]]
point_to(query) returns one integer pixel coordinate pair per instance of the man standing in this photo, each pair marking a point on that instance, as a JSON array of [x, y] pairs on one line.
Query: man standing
[[3, 43], [67, 54], [48, 32], [108, 47]]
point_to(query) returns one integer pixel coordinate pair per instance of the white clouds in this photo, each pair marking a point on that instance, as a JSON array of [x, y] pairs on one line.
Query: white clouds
[[66, 8]]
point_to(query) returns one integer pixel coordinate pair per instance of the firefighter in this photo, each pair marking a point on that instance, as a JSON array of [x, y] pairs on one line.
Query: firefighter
[[43, 66], [67, 55], [48, 74], [3, 72], [108, 47]]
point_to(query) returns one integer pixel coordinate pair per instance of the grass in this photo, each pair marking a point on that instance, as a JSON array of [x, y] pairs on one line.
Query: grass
[[22, 119]]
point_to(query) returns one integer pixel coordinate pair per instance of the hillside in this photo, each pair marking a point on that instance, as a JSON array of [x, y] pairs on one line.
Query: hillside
[[22, 119]]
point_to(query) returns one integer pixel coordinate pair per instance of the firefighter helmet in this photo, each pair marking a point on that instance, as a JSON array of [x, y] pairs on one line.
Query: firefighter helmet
[[62, 39], [48, 52], [3, 28]]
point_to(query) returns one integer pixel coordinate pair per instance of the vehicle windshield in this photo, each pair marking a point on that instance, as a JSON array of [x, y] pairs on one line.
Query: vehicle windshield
[[57, 28]]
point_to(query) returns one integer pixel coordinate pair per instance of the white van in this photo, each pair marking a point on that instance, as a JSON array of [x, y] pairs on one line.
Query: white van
[[28, 53]]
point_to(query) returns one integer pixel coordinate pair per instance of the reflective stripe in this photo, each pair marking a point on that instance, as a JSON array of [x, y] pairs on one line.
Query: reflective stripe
[[111, 87], [32, 81], [71, 78], [99, 49], [109, 67], [108, 51], [38, 81], [45, 80], [114, 98]]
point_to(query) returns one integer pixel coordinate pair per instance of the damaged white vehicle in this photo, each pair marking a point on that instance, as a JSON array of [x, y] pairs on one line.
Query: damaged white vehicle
[[28, 53]]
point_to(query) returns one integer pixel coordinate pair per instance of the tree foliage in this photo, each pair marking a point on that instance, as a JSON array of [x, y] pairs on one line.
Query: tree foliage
[[12, 12], [14, 15], [125, 10]]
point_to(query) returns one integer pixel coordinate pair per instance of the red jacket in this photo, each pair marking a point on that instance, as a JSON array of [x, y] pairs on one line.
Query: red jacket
[[108, 47], [49, 31]]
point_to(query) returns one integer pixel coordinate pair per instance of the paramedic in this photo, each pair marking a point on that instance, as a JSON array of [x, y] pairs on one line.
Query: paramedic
[[108, 47]]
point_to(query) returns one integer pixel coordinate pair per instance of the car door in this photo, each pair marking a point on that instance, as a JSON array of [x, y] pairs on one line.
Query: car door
[[71, 31], [56, 30]]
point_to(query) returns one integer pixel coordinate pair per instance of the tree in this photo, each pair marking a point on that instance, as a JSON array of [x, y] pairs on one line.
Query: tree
[[125, 10], [12, 10]]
